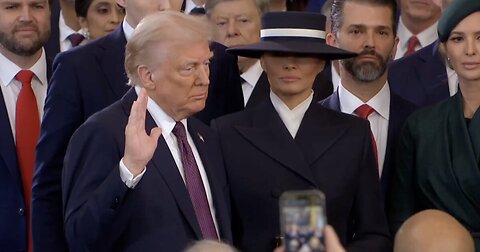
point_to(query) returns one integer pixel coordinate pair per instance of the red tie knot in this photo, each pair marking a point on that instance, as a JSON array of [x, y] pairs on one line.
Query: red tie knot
[[25, 77], [413, 42], [364, 111]]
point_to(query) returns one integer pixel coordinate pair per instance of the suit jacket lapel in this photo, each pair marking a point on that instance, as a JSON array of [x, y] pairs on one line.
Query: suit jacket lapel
[[8, 152], [260, 92], [203, 145], [316, 133], [112, 61], [399, 111], [437, 80], [163, 162], [332, 102], [269, 134]]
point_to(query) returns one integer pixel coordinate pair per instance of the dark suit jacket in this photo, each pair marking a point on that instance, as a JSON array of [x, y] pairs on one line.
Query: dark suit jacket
[[52, 47], [331, 152], [420, 78], [13, 217], [400, 109], [102, 214], [87, 79]]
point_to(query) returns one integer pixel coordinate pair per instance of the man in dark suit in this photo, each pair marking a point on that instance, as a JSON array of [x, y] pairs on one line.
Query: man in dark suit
[[127, 190], [290, 142], [421, 78], [64, 23], [85, 80], [364, 78], [24, 72]]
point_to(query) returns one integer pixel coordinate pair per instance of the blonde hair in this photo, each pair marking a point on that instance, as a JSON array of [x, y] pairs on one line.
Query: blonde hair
[[156, 29], [442, 48]]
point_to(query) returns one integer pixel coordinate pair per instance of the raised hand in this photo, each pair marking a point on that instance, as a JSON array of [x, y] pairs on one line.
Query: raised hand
[[139, 146]]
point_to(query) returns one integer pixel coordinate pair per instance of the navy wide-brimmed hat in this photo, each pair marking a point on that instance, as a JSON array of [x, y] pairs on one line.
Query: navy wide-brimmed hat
[[454, 14], [292, 32]]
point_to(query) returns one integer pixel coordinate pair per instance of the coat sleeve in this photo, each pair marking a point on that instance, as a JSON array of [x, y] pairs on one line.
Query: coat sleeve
[[91, 185], [62, 117]]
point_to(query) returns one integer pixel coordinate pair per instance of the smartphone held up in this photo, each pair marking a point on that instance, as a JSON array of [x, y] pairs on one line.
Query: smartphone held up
[[303, 219]]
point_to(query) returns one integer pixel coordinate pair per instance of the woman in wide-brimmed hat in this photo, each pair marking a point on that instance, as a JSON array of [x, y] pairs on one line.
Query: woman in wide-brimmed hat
[[439, 153], [289, 142]]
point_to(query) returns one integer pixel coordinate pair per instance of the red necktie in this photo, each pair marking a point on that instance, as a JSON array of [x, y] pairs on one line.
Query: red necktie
[[363, 112], [27, 126], [194, 183], [412, 44], [75, 39]]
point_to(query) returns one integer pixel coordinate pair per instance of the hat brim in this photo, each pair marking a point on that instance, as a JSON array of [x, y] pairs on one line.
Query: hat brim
[[315, 49]]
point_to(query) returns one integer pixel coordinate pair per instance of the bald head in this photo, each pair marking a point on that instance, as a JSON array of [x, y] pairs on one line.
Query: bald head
[[210, 246], [433, 231]]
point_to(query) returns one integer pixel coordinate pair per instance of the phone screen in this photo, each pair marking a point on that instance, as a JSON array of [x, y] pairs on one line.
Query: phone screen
[[303, 220]]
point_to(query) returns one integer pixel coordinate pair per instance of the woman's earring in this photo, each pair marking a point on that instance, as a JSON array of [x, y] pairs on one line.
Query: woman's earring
[[84, 31]]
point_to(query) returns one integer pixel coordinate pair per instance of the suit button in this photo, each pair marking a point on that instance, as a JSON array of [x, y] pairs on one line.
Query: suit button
[[276, 192], [115, 202], [21, 211]]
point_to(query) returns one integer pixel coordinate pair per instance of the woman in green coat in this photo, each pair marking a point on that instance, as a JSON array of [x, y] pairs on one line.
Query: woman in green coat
[[439, 154]]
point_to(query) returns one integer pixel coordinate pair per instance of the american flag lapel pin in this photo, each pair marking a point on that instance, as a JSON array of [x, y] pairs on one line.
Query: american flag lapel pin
[[201, 137]]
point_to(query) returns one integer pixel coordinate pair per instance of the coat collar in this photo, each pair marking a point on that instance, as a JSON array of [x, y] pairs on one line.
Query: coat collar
[[112, 61], [314, 137]]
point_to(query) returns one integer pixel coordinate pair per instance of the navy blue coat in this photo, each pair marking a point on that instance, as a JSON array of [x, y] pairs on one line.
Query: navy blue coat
[[331, 152], [102, 214]]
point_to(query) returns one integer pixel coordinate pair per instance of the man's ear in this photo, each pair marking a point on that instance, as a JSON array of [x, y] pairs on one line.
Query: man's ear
[[394, 49], [145, 76], [331, 39], [262, 64]]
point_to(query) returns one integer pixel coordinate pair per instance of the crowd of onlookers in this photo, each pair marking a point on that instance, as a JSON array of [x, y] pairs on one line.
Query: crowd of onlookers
[[147, 125]]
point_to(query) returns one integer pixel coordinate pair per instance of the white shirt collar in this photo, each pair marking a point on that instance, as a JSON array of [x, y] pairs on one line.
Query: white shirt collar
[[426, 37], [63, 28], [189, 5], [127, 29], [380, 102], [253, 73], [291, 117], [10, 69], [162, 119]]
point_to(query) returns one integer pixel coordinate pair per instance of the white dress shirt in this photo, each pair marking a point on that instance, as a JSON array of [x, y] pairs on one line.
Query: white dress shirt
[[127, 29], [378, 119], [189, 5], [292, 118], [251, 77], [64, 32], [426, 37], [166, 124], [452, 81], [11, 87]]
